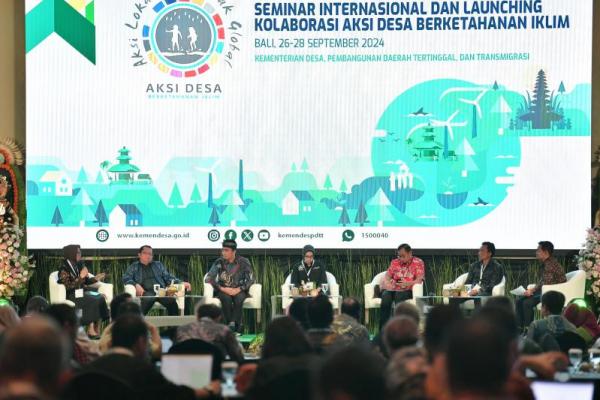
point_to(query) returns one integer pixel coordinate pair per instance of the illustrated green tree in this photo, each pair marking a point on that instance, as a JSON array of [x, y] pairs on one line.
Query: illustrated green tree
[[100, 215], [175, 199], [195, 197], [466, 151], [361, 215], [214, 217], [343, 186], [99, 178], [57, 217], [379, 206], [82, 176], [82, 207], [304, 166], [561, 88], [233, 212], [344, 218], [327, 185], [294, 167], [495, 87]]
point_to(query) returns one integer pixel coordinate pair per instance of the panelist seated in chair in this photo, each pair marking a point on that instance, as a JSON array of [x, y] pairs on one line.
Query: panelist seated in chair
[[231, 277], [551, 273], [309, 270], [144, 274], [485, 273], [404, 272], [81, 289]]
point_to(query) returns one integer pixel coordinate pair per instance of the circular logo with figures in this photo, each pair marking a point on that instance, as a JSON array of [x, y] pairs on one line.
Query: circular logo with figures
[[185, 38]]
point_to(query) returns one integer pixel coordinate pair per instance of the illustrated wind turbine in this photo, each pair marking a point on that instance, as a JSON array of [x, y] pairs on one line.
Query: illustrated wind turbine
[[476, 102], [449, 124], [210, 170]]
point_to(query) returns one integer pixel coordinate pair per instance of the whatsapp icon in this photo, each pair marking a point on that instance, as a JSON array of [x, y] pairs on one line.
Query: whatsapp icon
[[347, 235]]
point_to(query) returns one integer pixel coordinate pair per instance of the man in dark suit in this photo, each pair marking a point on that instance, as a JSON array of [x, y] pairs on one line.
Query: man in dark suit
[[485, 273]]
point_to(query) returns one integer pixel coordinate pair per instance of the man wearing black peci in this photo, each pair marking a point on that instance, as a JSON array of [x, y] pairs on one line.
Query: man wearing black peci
[[231, 277]]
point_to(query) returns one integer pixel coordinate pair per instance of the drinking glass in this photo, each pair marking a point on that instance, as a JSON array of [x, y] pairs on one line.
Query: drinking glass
[[594, 357], [229, 369], [575, 357]]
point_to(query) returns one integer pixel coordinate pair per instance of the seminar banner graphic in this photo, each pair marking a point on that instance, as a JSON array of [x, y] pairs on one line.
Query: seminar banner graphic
[[344, 124]]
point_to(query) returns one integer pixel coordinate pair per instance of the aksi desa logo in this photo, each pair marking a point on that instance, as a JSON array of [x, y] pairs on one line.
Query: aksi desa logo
[[183, 38]]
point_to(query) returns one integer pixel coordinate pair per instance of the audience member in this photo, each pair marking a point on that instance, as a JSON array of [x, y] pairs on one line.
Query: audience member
[[129, 307], [405, 374], [347, 326], [299, 311], [553, 323], [33, 359], [285, 370], [320, 316], [209, 328], [400, 332], [36, 305], [127, 360], [352, 373], [83, 351], [584, 320]]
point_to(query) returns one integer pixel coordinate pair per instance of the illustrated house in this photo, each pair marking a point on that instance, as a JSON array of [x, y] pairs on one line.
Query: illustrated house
[[297, 202], [55, 183], [125, 215]]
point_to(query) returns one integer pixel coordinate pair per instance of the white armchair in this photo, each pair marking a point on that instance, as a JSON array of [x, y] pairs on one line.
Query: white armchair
[[334, 291], [254, 302], [375, 302], [497, 290], [573, 288], [58, 292], [180, 297]]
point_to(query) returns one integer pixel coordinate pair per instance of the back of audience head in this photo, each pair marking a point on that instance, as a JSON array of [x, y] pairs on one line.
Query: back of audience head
[[477, 358], [552, 303], [36, 304], [351, 307], [438, 323], [400, 332], [8, 318], [299, 311], [211, 311], [407, 309], [130, 331], [65, 316], [352, 373], [129, 307], [405, 374], [320, 312], [116, 303], [504, 318], [503, 302], [285, 337], [36, 351]]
